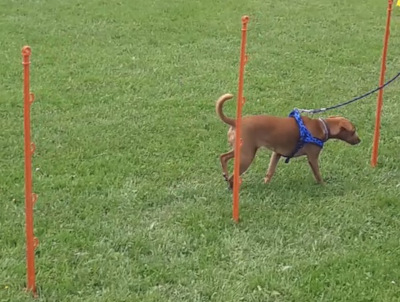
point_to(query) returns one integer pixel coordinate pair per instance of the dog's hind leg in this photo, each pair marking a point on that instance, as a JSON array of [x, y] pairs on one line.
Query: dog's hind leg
[[247, 154], [224, 158]]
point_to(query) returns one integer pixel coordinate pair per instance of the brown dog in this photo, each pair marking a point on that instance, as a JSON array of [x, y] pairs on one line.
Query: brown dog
[[281, 135]]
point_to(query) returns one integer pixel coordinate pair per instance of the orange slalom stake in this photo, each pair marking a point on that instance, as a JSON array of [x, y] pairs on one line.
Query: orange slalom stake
[[379, 103], [238, 141], [30, 198]]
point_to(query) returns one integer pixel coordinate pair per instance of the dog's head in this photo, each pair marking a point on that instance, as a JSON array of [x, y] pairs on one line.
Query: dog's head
[[343, 129]]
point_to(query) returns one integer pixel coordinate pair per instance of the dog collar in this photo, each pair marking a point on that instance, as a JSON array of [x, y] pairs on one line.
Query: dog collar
[[305, 135], [326, 129]]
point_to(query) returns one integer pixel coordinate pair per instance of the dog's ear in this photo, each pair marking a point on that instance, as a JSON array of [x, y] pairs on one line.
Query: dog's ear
[[334, 128], [339, 124], [346, 125], [334, 125]]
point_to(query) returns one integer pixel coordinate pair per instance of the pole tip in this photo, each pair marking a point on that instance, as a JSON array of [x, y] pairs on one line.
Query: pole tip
[[26, 51], [245, 19]]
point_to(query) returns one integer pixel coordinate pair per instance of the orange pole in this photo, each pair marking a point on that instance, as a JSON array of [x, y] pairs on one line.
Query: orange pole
[[238, 140], [379, 103], [30, 198]]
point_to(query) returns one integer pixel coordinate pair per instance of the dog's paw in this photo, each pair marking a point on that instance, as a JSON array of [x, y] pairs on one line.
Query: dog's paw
[[230, 184], [225, 176], [267, 180]]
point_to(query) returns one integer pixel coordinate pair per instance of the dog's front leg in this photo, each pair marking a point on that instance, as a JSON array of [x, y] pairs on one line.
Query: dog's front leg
[[272, 166], [313, 161]]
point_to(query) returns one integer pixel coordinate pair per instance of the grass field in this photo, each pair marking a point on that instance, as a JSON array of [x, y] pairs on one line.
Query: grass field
[[132, 205]]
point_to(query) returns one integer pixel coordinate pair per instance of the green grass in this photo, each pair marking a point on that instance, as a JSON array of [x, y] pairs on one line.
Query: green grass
[[132, 205]]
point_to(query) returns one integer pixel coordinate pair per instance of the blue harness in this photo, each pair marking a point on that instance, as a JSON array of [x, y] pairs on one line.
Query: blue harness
[[305, 135]]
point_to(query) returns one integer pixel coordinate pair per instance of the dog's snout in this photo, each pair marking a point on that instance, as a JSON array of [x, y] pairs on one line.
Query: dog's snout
[[356, 141]]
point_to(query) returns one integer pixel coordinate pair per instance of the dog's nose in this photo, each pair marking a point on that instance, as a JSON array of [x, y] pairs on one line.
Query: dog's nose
[[355, 140]]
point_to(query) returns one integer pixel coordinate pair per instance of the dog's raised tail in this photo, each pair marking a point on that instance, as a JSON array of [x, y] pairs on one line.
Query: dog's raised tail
[[220, 113]]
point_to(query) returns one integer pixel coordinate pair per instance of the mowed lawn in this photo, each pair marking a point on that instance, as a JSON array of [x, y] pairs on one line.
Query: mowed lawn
[[132, 205]]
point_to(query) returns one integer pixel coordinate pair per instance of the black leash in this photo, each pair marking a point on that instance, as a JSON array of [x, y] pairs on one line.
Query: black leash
[[313, 111]]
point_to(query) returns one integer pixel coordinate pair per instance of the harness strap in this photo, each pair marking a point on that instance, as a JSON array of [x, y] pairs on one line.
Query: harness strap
[[305, 135]]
